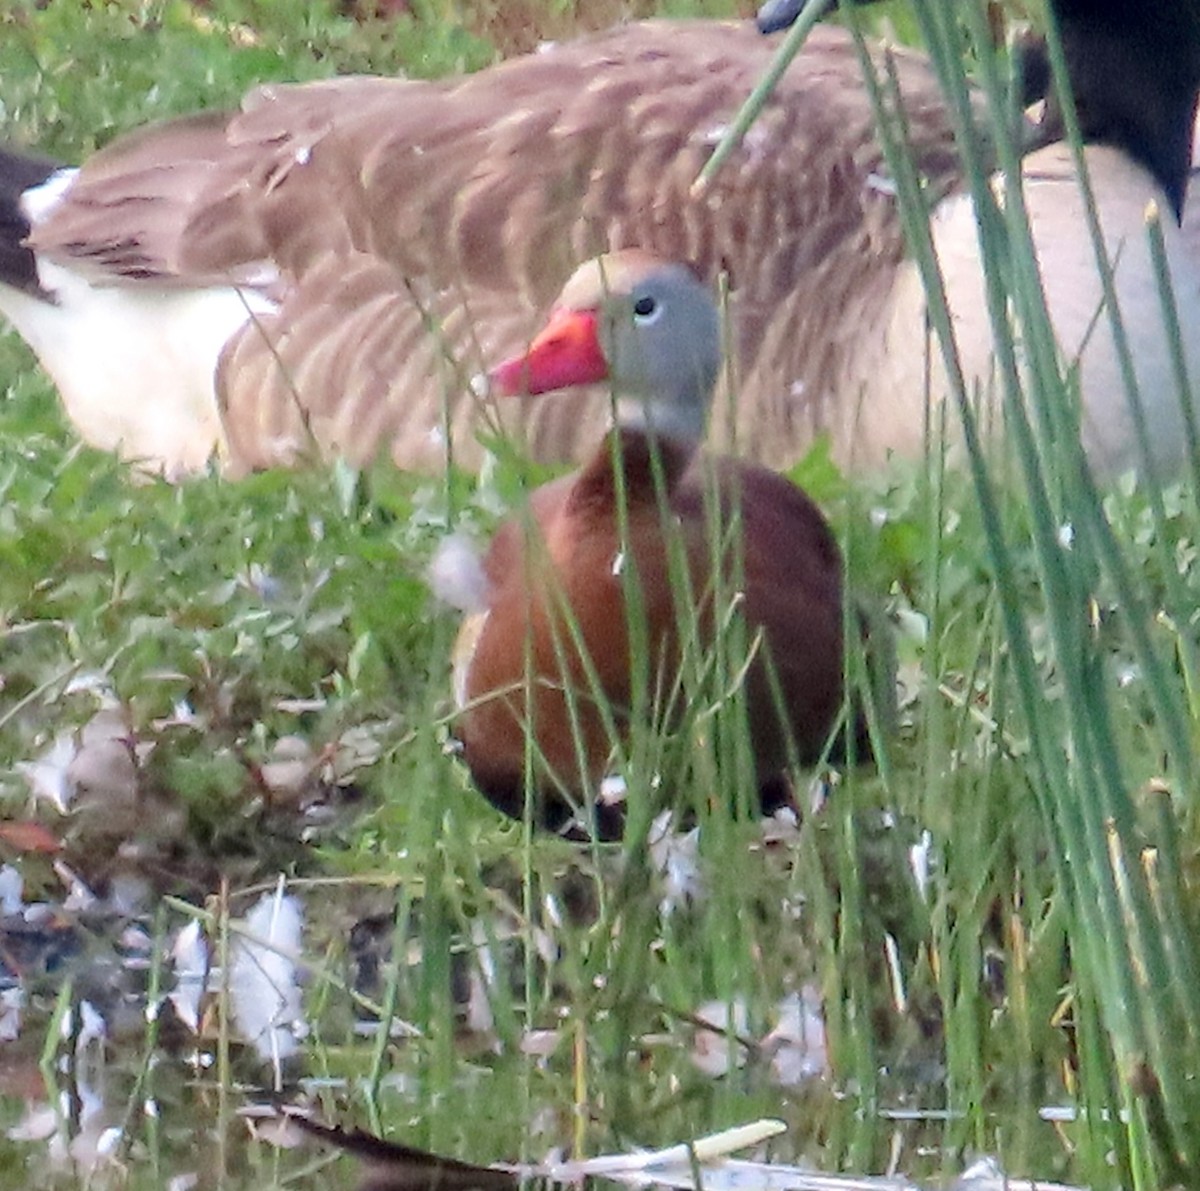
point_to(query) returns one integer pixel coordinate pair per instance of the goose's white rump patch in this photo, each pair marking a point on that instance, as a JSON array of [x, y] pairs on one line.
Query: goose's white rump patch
[[135, 364]]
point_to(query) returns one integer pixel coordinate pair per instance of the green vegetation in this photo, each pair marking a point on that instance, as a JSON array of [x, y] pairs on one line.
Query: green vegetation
[[1046, 744]]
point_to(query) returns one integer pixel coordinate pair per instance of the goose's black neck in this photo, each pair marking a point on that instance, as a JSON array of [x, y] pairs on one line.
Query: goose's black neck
[[1134, 67], [1135, 73]]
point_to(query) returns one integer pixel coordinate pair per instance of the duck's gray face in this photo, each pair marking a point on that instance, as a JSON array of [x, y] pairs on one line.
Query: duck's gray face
[[647, 328], [660, 334]]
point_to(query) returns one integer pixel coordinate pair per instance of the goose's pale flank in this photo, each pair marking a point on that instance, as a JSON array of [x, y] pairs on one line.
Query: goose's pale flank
[[650, 329], [1074, 296], [1135, 71]]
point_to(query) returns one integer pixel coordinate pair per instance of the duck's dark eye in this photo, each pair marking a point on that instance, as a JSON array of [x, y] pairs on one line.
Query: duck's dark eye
[[645, 307]]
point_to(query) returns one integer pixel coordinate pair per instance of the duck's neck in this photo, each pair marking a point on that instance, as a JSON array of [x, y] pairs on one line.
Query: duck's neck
[[681, 418], [634, 465], [1135, 73]]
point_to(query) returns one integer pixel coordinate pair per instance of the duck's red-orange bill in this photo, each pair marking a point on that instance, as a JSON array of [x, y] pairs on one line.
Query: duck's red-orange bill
[[564, 353]]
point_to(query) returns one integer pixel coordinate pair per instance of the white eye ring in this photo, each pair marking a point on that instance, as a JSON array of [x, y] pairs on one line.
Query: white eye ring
[[647, 310]]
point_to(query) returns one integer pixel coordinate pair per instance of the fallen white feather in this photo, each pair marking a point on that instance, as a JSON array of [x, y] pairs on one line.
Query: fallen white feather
[[47, 776], [456, 575], [263, 990], [190, 954], [650, 1164]]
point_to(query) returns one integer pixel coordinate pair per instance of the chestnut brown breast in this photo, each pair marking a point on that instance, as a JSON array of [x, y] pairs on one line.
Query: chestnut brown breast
[[565, 556]]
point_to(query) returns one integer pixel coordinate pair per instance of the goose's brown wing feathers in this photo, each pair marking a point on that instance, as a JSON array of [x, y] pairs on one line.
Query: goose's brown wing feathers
[[128, 216], [361, 360], [491, 188]]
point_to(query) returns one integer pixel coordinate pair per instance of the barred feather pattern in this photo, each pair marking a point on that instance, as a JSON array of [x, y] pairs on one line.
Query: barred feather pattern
[[413, 233]]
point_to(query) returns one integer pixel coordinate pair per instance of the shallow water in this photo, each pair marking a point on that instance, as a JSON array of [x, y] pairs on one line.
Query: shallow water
[[162, 1066]]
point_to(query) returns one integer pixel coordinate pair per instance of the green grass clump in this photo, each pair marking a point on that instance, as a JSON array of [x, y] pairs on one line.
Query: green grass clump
[[1102, 760], [76, 75]]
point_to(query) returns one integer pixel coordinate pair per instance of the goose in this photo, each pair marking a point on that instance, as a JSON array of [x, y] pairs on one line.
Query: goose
[[331, 264], [326, 269], [598, 543]]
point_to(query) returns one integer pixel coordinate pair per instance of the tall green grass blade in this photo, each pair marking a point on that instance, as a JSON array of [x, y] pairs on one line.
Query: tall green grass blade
[[757, 100], [1128, 942]]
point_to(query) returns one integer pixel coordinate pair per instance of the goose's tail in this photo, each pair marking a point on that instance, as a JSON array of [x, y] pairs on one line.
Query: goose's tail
[[19, 172]]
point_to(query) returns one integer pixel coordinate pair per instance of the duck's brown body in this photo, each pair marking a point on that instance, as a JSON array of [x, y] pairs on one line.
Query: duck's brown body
[[569, 554]]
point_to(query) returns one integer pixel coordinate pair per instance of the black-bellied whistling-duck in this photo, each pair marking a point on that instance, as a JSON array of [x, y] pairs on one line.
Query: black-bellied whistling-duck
[[553, 648], [262, 281]]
